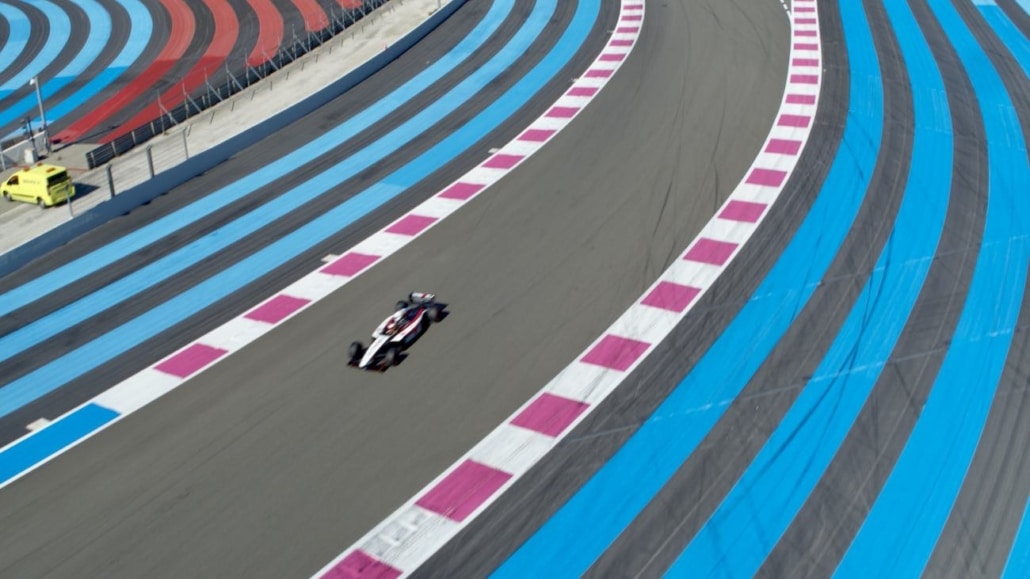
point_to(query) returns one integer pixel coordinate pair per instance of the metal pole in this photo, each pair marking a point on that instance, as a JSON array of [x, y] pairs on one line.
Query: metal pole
[[185, 146], [110, 180], [42, 114], [150, 161]]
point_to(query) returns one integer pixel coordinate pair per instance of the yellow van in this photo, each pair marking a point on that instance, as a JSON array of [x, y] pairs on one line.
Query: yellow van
[[43, 184]]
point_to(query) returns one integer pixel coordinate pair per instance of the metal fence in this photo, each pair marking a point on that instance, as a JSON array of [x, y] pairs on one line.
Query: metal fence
[[230, 83], [15, 154]]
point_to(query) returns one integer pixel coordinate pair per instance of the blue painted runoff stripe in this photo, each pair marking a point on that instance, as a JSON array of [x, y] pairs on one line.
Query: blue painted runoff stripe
[[140, 30], [760, 507], [152, 233], [99, 35], [106, 347], [1013, 39], [899, 535], [18, 28], [39, 446], [60, 32], [46, 327], [1018, 564], [568, 543]]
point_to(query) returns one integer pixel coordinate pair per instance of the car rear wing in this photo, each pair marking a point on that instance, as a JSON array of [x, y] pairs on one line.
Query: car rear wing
[[421, 297]]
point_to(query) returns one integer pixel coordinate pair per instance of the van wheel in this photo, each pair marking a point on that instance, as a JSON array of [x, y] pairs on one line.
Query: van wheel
[[7, 196], [39, 202]]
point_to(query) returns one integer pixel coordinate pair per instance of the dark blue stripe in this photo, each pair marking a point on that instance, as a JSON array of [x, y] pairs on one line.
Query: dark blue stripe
[[1018, 564]]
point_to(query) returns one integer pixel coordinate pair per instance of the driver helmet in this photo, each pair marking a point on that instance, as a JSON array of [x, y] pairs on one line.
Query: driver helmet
[[391, 325]]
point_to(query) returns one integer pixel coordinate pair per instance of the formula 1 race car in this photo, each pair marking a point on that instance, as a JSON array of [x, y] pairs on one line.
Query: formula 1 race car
[[397, 332]]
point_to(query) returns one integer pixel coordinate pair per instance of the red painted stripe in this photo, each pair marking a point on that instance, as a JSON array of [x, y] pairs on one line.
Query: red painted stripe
[[224, 38], [191, 360], [711, 251], [804, 78], [182, 29], [800, 121], [277, 309], [550, 414], [311, 11], [270, 31], [615, 352], [503, 161], [562, 112], [411, 224], [745, 211], [461, 191], [536, 135], [350, 264], [783, 146], [671, 296], [361, 565], [462, 491], [801, 99], [582, 91], [766, 177]]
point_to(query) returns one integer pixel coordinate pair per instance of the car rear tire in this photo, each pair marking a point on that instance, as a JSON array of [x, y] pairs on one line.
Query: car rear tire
[[391, 357], [434, 314], [356, 350], [402, 305]]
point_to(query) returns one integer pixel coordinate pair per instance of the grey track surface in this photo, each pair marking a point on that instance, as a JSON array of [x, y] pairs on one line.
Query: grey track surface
[[271, 462]]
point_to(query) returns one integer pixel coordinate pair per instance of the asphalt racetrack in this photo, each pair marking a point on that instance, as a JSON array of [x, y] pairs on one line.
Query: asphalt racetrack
[[271, 462]]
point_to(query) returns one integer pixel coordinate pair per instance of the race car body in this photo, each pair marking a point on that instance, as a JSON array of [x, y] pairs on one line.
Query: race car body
[[397, 332]]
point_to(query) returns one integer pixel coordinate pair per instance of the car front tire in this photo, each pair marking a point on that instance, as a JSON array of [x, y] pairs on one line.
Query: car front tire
[[356, 350]]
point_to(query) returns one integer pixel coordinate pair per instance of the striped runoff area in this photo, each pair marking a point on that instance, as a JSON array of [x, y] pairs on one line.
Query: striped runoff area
[[407, 538]]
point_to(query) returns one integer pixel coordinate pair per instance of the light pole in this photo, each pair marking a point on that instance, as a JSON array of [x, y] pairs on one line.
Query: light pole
[[42, 114]]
